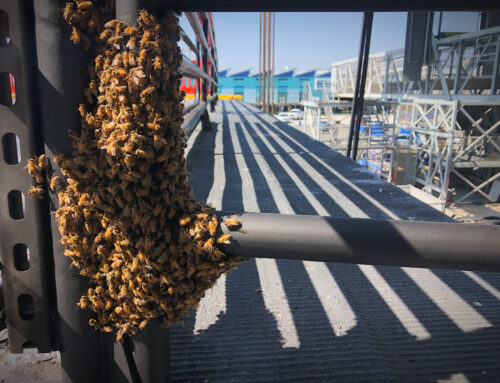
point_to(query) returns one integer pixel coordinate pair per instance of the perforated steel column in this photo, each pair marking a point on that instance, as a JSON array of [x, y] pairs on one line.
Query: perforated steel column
[[24, 225]]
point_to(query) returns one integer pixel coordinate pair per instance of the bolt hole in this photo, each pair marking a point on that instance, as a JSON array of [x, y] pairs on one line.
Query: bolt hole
[[26, 307], [4, 28], [7, 89], [17, 207], [21, 257], [11, 148]]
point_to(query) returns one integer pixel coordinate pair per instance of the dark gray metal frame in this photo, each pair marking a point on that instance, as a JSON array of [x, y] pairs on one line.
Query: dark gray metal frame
[[56, 67], [367, 241], [29, 294], [41, 301], [208, 81]]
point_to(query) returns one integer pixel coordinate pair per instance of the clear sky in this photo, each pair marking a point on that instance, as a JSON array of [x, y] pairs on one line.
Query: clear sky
[[313, 40]]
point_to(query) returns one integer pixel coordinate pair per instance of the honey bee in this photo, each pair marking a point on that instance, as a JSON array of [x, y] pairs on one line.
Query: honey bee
[[75, 36], [224, 239], [105, 35], [54, 183], [157, 65], [84, 4], [36, 191], [35, 170], [69, 9], [232, 224]]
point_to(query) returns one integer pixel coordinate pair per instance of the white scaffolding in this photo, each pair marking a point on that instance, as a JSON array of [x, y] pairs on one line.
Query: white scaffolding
[[449, 119]]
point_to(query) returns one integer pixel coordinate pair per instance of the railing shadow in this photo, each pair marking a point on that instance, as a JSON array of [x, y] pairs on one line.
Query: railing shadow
[[402, 331]]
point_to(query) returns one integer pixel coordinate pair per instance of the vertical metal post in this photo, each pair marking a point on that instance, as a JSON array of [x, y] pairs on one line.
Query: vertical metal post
[[61, 82], [368, 32], [458, 73], [494, 72], [204, 55], [259, 92], [272, 93], [25, 248], [198, 81], [264, 61], [356, 90], [386, 80], [268, 60], [128, 10], [439, 24]]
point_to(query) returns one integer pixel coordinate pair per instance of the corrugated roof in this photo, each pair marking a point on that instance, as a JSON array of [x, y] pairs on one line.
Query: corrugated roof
[[243, 73], [287, 73], [323, 73], [305, 73]]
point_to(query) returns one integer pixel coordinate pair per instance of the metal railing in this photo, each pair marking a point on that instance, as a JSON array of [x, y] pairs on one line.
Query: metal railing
[[205, 71], [49, 320]]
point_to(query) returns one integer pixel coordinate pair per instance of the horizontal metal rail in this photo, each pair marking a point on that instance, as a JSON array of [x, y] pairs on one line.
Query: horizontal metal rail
[[193, 116], [367, 241], [189, 43], [200, 36], [189, 69], [339, 6]]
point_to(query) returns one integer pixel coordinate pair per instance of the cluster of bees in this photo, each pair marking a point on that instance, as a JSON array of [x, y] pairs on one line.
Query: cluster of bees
[[126, 215], [37, 168]]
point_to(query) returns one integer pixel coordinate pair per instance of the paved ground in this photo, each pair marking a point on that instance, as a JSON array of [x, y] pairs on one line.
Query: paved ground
[[303, 321]]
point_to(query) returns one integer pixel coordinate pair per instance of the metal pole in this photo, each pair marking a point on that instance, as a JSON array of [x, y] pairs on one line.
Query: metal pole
[[268, 60], [356, 90], [264, 61], [128, 10], [204, 82], [61, 81], [260, 56], [439, 24], [368, 32], [26, 260], [272, 94], [367, 241]]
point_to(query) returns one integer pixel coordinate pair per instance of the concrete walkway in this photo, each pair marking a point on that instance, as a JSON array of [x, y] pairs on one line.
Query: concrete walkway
[[304, 321]]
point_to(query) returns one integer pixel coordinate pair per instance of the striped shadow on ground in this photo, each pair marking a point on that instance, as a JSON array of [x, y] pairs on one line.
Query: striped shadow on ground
[[304, 321]]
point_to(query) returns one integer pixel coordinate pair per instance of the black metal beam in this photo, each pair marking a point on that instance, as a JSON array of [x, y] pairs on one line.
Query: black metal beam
[[362, 83], [61, 81], [320, 5], [365, 241], [25, 248], [355, 99]]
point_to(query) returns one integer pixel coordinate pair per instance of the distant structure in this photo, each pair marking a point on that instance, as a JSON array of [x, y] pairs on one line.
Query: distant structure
[[288, 85], [431, 115]]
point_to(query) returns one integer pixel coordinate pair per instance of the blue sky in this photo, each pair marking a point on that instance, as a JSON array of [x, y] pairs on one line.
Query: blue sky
[[313, 40]]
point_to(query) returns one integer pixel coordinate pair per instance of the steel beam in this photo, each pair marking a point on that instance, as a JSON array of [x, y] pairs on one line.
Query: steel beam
[[192, 118], [318, 5], [25, 248], [365, 241], [188, 69], [200, 33]]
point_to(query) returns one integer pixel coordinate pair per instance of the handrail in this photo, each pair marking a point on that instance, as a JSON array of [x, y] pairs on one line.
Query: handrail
[[189, 43], [384, 242], [198, 30], [192, 118], [189, 69], [205, 53]]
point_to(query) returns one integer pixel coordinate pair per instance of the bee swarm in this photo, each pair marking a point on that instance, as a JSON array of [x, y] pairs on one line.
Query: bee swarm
[[126, 214]]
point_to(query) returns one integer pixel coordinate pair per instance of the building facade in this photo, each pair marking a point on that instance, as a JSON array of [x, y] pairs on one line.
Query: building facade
[[288, 85]]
